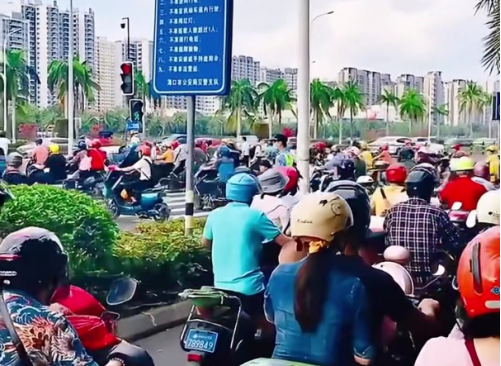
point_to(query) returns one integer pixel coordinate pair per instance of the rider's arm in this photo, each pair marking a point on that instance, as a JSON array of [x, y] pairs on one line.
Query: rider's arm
[[361, 338], [207, 236], [453, 239]]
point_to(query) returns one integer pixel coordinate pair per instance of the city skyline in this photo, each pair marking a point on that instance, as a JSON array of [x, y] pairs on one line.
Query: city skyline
[[404, 38]]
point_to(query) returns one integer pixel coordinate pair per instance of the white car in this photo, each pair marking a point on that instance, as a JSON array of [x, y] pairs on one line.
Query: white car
[[395, 143], [434, 147], [27, 150]]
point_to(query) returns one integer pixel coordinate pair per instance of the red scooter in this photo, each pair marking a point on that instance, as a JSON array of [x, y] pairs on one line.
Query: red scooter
[[96, 326]]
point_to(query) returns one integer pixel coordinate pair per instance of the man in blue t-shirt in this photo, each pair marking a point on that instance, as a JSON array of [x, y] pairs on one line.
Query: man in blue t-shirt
[[235, 234]]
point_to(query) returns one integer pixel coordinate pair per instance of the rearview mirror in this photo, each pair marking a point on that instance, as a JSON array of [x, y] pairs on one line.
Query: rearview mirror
[[471, 220], [456, 206], [440, 271], [121, 291]]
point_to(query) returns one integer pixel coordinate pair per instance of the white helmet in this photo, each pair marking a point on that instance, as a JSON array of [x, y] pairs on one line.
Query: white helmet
[[365, 179], [488, 208]]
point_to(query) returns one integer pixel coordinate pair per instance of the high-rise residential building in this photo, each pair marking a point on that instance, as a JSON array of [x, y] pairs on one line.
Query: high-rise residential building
[[269, 76], [105, 73], [48, 40], [404, 83], [455, 116], [245, 67], [433, 91], [419, 84], [346, 74], [370, 82], [375, 88], [290, 77], [205, 105]]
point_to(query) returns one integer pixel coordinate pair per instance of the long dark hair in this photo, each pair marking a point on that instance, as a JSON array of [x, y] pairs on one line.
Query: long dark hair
[[484, 326], [311, 289]]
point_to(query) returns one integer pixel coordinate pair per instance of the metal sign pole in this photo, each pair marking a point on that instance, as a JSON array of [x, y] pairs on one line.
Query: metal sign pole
[[190, 140]]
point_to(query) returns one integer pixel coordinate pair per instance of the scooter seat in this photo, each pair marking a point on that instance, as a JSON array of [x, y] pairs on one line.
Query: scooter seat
[[274, 362], [206, 296]]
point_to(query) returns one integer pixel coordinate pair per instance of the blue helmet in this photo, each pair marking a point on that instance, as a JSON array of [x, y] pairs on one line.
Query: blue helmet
[[242, 188], [224, 152], [82, 145]]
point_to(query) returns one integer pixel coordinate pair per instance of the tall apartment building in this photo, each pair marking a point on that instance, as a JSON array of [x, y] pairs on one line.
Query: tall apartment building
[[375, 87], [404, 83], [452, 88], [433, 90], [290, 77], [47, 40], [205, 105], [106, 73], [245, 67], [366, 85]]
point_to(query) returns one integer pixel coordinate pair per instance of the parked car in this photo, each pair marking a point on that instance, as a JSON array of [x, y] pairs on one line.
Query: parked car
[[435, 146], [395, 143], [181, 138], [484, 141], [27, 150]]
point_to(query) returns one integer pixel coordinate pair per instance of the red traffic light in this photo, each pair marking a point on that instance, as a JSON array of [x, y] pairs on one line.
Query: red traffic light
[[126, 68]]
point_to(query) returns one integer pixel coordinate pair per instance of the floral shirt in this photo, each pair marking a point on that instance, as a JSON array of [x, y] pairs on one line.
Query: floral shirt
[[47, 336]]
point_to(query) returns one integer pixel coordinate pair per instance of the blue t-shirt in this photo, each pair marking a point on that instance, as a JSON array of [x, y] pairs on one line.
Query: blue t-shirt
[[225, 168], [238, 232], [344, 331]]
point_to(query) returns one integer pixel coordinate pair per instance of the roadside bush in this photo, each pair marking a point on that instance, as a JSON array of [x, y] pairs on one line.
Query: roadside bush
[[163, 259], [84, 226]]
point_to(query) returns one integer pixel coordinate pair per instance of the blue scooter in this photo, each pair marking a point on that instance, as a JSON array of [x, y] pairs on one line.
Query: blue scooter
[[151, 205]]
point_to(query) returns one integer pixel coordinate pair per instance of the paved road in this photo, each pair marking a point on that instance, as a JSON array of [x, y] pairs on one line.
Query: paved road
[[176, 201], [164, 348]]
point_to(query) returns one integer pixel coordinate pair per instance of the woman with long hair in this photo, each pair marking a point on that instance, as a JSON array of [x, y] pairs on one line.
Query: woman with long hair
[[320, 313]]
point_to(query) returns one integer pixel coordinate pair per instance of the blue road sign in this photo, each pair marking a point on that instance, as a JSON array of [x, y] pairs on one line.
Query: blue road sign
[[192, 51], [495, 107], [133, 125]]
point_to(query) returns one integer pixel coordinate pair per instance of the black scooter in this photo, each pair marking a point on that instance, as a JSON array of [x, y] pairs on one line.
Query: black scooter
[[208, 193]]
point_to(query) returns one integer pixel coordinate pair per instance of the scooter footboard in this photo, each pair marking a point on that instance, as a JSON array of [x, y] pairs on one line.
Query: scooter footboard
[[130, 353]]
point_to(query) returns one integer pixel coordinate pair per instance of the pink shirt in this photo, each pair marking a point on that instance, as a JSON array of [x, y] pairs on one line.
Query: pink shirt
[[40, 154], [446, 352]]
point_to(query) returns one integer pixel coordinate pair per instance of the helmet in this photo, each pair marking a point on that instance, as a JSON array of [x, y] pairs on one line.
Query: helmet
[[335, 148], [145, 150], [321, 146], [82, 145], [357, 198], [385, 147], [244, 170], [273, 181], [462, 164], [346, 170], [292, 174], [39, 141], [396, 173], [420, 184], [478, 274], [5, 193], [224, 152], [242, 188], [363, 145], [481, 170], [427, 168], [365, 179], [320, 215], [491, 149], [457, 147], [54, 148], [488, 208], [399, 274], [14, 160], [33, 256]]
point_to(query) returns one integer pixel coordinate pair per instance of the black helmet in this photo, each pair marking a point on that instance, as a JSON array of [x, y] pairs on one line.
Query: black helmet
[[429, 169], [39, 141], [420, 184], [358, 200], [32, 258], [5, 193], [346, 170]]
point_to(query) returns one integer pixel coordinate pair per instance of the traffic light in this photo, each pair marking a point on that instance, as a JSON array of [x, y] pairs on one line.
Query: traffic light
[[136, 110], [127, 76]]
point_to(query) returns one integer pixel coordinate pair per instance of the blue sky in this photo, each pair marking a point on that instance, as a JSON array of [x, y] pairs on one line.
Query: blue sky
[[393, 36]]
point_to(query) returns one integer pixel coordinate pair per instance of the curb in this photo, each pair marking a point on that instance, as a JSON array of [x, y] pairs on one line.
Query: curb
[[153, 321]]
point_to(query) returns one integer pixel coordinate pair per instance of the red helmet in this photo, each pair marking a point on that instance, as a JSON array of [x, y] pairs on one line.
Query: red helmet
[[457, 147], [396, 173], [321, 146], [145, 150], [481, 170], [147, 143], [95, 144], [478, 274], [293, 176], [385, 147]]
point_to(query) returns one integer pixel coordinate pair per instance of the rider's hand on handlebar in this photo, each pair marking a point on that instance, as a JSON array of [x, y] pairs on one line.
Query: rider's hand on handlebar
[[429, 307]]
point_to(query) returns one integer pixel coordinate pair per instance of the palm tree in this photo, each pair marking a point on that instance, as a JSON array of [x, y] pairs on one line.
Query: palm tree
[[241, 104], [354, 100], [320, 103], [275, 98], [440, 111], [84, 84], [490, 59], [389, 99], [412, 106], [485, 101], [141, 86], [470, 99], [338, 100], [18, 75]]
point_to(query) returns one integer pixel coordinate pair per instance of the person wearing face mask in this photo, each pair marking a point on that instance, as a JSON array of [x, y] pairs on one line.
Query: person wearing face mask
[[33, 264], [284, 157]]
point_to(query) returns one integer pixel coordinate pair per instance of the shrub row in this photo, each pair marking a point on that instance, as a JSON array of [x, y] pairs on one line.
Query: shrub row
[[158, 255]]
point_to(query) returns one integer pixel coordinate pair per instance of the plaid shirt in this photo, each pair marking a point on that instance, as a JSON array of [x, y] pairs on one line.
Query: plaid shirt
[[421, 229]]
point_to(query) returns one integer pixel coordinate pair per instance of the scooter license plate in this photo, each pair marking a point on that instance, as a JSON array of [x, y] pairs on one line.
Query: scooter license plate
[[201, 340]]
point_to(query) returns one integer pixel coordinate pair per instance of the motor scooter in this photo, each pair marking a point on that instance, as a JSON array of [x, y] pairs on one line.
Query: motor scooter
[[96, 326], [152, 204], [208, 194]]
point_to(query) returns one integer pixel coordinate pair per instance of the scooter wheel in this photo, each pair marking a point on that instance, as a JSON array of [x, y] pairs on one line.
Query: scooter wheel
[[198, 205], [113, 209], [162, 212]]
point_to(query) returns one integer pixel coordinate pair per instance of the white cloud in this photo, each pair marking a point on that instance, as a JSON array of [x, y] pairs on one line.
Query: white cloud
[[392, 36]]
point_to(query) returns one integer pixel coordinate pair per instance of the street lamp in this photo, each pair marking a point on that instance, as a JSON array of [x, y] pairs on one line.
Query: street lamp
[[4, 78], [71, 87], [303, 92], [126, 25]]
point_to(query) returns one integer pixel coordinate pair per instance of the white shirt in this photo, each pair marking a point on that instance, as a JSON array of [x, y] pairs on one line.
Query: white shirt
[[488, 185], [290, 200], [245, 149], [274, 208], [258, 152], [181, 153], [4, 145], [143, 166]]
